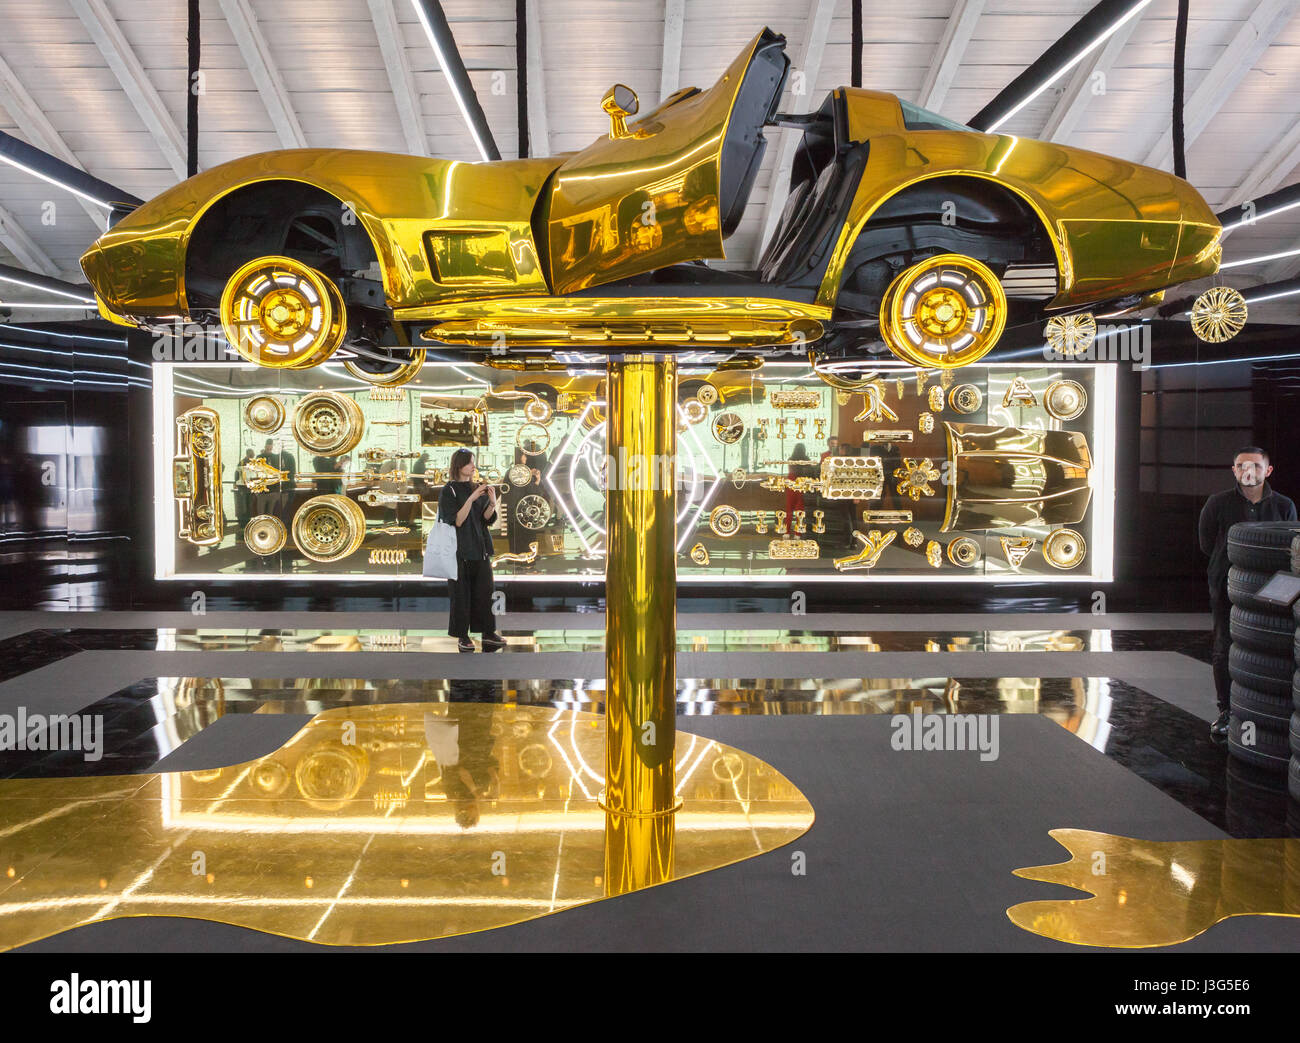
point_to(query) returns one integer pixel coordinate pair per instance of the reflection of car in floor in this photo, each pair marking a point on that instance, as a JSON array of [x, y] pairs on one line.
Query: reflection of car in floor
[[900, 226]]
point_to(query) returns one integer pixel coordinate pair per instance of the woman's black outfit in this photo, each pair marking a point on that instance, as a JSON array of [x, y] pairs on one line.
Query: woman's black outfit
[[471, 592]]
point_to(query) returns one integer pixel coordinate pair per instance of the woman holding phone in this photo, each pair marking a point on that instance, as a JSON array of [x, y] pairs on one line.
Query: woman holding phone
[[470, 507]]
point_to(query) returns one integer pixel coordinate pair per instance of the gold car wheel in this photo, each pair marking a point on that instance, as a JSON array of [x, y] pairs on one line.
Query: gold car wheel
[[328, 423], [1219, 314], [329, 528], [404, 373], [1071, 335], [943, 312], [279, 313]]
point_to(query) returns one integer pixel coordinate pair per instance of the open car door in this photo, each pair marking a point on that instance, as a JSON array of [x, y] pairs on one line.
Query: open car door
[[672, 185]]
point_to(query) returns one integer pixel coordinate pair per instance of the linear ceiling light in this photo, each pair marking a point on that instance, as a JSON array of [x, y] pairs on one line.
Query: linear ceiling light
[[457, 77], [1261, 258], [1061, 70], [44, 288]]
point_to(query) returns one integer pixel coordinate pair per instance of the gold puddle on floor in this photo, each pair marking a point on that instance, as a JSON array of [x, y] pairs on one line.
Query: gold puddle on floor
[[376, 825], [1147, 893]]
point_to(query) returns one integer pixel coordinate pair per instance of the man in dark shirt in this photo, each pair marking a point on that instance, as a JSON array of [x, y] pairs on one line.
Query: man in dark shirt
[[1251, 499]]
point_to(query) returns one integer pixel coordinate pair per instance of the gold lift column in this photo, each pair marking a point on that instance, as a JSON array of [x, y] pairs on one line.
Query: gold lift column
[[640, 619]]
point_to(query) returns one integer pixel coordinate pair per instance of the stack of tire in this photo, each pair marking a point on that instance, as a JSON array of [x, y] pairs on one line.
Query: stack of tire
[[1262, 660], [1293, 777]]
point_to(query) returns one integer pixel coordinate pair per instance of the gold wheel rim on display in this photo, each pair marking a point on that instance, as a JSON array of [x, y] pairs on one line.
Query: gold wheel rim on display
[[945, 312], [264, 414], [963, 552], [1219, 314], [1071, 335], [519, 474], [1065, 399], [328, 423], [265, 534], [1064, 549], [279, 313], [533, 512], [694, 410], [707, 394], [728, 428], [965, 398], [404, 373], [329, 528], [522, 438], [839, 383], [724, 521]]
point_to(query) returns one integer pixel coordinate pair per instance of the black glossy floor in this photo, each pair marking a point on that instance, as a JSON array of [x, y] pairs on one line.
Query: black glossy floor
[[1104, 727]]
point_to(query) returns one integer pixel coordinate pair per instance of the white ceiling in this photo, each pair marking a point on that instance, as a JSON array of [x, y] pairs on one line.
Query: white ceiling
[[328, 84]]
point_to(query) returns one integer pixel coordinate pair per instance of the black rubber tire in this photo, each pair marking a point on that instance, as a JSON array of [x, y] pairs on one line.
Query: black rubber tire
[[1265, 546], [1293, 779], [1295, 688], [1270, 710], [1273, 632], [1265, 673], [1243, 584], [1295, 734], [1270, 750], [1295, 555]]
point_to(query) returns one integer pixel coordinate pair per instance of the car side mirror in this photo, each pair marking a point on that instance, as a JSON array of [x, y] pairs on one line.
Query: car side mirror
[[620, 102]]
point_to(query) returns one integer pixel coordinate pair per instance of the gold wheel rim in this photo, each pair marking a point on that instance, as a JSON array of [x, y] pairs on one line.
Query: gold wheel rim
[[1065, 399], [1071, 335], [1064, 549], [404, 374], [280, 313], [944, 312], [328, 423], [328, 528], [265, 534], [1219, 314]]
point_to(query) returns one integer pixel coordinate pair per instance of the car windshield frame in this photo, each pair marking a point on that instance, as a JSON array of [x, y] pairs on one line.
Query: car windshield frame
[[917, 118]]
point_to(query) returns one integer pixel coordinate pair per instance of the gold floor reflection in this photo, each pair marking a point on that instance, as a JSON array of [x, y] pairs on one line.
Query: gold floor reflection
[[375, 825], [1148, 893]]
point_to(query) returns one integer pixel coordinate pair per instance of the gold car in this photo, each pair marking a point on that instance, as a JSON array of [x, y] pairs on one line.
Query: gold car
[[900, 227]]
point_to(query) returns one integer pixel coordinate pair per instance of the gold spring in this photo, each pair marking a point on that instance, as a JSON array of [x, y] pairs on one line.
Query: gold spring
[[387, 641], [378, 394], [391, 798], [387, 556]]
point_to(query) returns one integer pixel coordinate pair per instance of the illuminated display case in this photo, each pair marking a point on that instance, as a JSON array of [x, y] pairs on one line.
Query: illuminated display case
[[986, 473]]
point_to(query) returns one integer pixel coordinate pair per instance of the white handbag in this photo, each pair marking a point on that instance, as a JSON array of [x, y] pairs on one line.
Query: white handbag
[[440, 552]]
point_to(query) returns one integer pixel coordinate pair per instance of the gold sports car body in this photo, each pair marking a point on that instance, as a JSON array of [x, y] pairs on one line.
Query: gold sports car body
[[900, 227]]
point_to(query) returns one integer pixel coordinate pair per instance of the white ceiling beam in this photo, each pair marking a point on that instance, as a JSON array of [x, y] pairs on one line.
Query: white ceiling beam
[[947, 59], [1286, 268], [99, 22], [405, 94], [21, 245], [539, 127], [1273, 169], [40, 132], [257, 56], [809, 66], [1241, 55], [1074, 100], [670, 78]]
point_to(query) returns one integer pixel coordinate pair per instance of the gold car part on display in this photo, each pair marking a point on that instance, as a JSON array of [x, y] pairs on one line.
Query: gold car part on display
[[533, 511], [913, 536], [786, 549], [819, 521], [387, 556], [799, 427], [452, 403], [458, 429], [707, 394], [1064, 549], [1071, 335], [283, 314], [385, 394], [389, 530], [1019, 393], [761, 433], [798, 523], [379, 456], [259, 476], [874, 409], [886, 517], [963, 551], [328, 528], [760, 522], [264, 414], [819, 428], [533, 439], [1004, 477], [873, 545], [1219, 314], [914, 478], [728, 427], [538, 410], [196, 477], [1065, 399], [699, 554], [516, 557], [1016, 549], [389, 423], [780, 427], [374, 498], [852, 477], [934, 554], [795, 399], [780, 523], [328, 423], [922, 375], [925, 423], [965, 398], [401, 374], [724, 521], [874, 436], [265, 534], [935, 398], [694, 410], [946, 311], [519, 474]]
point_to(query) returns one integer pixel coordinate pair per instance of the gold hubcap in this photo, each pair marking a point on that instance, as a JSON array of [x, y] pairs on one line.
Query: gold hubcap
[[941, 312], [285, 313], [945, 312], [280, 313]]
